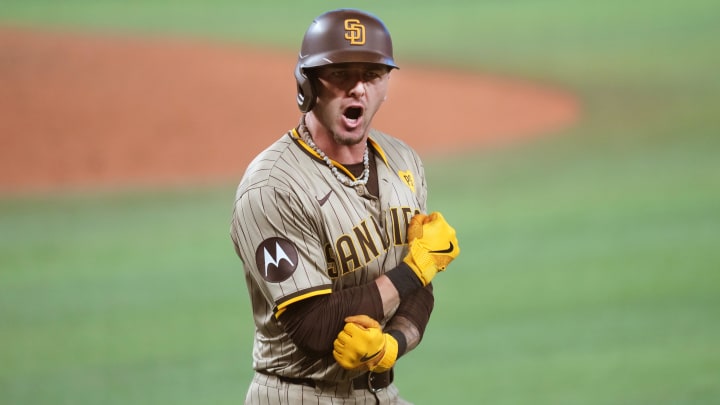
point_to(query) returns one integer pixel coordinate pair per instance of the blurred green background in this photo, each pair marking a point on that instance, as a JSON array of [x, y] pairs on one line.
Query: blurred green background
[[590, 271]]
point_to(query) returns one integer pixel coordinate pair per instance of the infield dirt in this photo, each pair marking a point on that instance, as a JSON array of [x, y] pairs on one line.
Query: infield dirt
[[84, 111]]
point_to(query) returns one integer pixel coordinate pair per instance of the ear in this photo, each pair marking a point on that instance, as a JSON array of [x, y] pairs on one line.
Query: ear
[[306, 95]]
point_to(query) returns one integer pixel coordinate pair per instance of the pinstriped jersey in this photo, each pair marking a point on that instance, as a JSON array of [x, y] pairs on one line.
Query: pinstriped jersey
[[301, 233]]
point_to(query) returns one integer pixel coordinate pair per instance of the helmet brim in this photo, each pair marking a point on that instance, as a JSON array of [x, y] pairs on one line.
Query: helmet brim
[[346, 56]]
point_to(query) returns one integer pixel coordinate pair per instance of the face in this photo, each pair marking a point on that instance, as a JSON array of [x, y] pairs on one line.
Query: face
[[349, 95]]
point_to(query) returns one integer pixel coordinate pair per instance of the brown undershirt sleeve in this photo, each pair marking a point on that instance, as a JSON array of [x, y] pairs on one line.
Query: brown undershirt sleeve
[[411, 318], [314, 323]]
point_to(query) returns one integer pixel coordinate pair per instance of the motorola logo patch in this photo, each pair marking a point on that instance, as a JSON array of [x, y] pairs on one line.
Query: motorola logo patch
[[276, 259]]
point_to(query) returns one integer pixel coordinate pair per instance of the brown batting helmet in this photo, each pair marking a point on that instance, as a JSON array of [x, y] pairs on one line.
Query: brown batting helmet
[[340, 36]]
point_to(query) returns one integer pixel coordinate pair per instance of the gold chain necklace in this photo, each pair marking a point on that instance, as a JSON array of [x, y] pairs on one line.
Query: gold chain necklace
[[342, 177]]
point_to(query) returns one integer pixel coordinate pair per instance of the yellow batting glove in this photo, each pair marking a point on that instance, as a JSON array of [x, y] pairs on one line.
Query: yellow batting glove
[[362, 344], [414, 229], [433, 247]]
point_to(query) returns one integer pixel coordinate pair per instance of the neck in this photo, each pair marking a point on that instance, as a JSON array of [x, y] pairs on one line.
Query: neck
[[326, 141], [349, 179]]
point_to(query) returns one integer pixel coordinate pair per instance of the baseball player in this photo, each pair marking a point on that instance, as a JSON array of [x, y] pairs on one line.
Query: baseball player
[[330, 223]]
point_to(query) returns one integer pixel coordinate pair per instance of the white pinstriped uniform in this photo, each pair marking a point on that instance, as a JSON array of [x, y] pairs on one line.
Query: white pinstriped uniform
[[300, 233], [269, 390]]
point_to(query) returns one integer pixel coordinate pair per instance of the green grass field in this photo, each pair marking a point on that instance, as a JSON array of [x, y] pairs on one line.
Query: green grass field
[[590, 271]]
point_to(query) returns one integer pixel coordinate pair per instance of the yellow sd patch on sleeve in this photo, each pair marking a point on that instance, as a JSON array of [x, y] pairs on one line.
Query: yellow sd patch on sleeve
[[407, 178]]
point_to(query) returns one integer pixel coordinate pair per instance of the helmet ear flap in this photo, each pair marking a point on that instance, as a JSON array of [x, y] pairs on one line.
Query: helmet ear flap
[[306, 95]]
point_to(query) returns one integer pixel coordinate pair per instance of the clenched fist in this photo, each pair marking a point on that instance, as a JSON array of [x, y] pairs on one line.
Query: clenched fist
[[362, 344], [433, 245]]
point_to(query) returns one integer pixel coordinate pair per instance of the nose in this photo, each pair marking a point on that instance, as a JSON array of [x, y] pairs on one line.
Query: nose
[[357, 89]]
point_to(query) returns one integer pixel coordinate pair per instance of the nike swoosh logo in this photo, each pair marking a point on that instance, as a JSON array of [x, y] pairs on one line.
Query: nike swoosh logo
[[323, 200], [365, 357], [448, 250]]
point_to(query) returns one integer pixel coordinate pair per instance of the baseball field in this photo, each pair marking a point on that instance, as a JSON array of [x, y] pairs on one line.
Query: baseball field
[[575, 147]]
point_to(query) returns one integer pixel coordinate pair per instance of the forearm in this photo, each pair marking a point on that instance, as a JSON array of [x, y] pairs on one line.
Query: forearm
[[363, 335], [389, 295], [314, 323], [411, 319]]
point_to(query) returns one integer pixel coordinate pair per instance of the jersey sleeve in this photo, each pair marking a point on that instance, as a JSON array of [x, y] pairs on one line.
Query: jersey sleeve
[[278, 242]]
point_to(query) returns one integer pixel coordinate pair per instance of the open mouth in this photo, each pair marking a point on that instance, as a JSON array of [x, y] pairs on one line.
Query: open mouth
[[353, 113]]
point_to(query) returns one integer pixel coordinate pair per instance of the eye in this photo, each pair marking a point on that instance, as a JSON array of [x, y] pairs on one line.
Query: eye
[[370, 75], [338, 75]]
